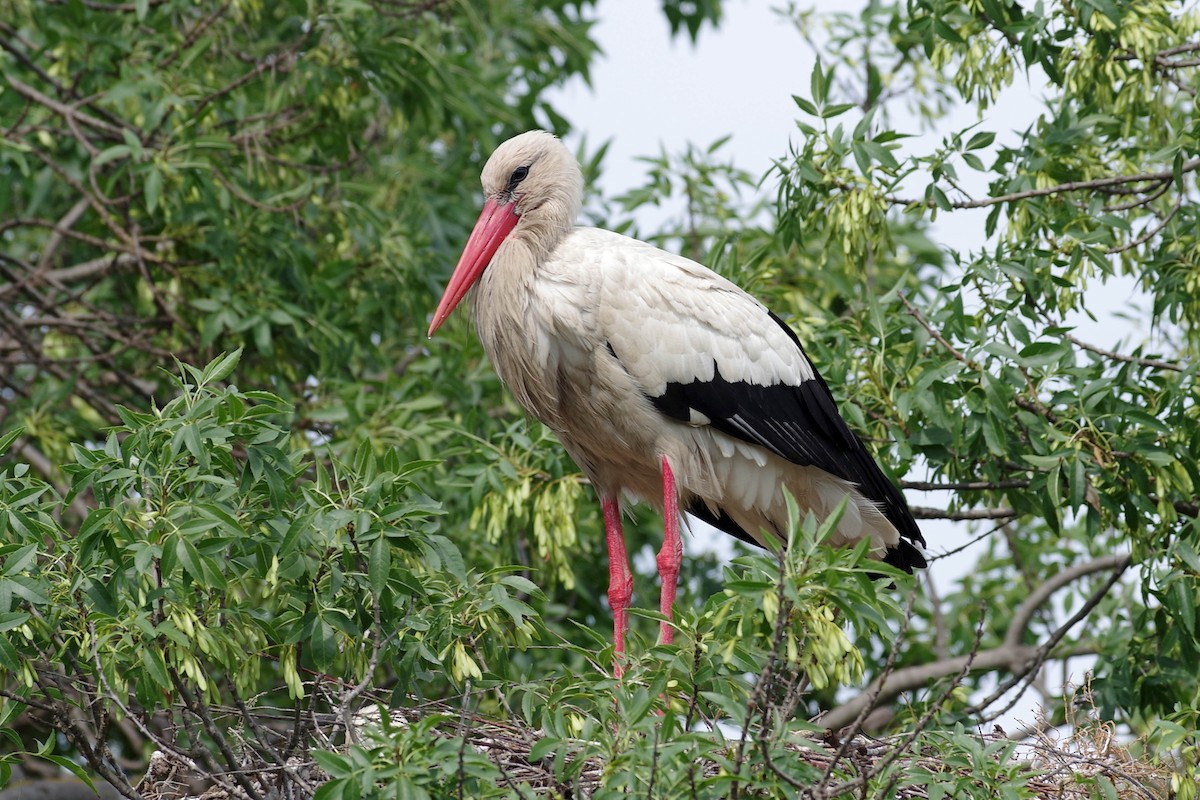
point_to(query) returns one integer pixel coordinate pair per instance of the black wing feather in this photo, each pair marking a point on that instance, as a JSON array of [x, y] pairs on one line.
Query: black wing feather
[[801, 423]]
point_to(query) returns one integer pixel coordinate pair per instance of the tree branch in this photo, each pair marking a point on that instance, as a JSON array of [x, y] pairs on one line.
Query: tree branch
[[1061, 188], [1041, 594], [965, 486], [65, 111], [1043, 651], [1010, 655], [925, 512], [934, 332], [1149, 233], [1143, 362]]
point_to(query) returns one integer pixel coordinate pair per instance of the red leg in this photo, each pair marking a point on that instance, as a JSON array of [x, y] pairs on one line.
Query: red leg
[[620, 579], [672, 550]]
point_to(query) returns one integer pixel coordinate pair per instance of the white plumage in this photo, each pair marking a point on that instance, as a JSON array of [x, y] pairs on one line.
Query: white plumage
[[649, 366]]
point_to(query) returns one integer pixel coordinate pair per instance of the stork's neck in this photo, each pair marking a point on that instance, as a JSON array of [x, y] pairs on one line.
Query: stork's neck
[[547, 223], [535, 239], [504, 287]]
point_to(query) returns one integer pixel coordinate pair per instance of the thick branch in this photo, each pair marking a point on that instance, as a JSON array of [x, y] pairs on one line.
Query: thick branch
[[1042, 653], [921, 675], [1042, 593], [1011, 655]]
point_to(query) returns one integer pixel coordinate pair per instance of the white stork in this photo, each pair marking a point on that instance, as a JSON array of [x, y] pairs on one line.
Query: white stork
[[664, 381]]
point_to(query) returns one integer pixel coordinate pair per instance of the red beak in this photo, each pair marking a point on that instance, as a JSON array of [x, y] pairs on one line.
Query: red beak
[[495, 222]]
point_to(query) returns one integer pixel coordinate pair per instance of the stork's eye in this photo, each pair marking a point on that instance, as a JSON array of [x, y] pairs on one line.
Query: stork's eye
[[519, 174]]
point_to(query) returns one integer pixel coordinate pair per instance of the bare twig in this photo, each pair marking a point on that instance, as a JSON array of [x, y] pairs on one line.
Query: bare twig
[[1153, 363], [65, 111], [1061, 188], [965, 486], [934, 332]]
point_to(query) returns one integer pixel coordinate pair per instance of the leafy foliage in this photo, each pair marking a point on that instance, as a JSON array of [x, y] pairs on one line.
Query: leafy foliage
[[337, 560]]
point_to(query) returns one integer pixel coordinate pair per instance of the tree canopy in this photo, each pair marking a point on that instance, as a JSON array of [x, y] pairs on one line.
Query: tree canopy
[[256, 531]]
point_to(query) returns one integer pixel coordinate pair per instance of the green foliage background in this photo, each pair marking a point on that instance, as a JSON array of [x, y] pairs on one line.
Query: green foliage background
[[334, 511]]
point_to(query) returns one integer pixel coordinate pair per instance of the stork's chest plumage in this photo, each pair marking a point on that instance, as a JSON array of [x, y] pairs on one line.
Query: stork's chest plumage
[[537, 321], [547, 332]]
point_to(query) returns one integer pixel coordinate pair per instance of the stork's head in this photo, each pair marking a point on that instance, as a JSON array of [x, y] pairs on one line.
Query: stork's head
[[533, 190]]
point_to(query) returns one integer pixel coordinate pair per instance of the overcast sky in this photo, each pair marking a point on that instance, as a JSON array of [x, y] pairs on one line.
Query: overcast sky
[[649, 90]]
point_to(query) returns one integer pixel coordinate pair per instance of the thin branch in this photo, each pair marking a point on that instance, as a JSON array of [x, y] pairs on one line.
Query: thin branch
[[924, 512], [941, 635], [1142, 362], [1189, 47], [268, 62], [965, 486], [1061, 188], [127, 8], [56, 235], [193, 35], [250, 201], [65, 111], [1177, 63], [1138, 200], [921, 675], [1149, 234], [936, 334], [1025, 611], [897, 749], [25, 60], [194, 703]]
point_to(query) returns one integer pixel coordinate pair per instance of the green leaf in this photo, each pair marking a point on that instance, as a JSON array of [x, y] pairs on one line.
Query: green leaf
[[804, 105], [1054, 485], [544, 747], [20, 559], [110, 154], [323, 645], [1042, 353], [221, 367], [189, 557], [836, 109], [1184, 606], [981, 140], [1188, 555], [333, 763], [70, 766], [153, 188], [7, 439], [379, 565], [819, 84], [10, 659]]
